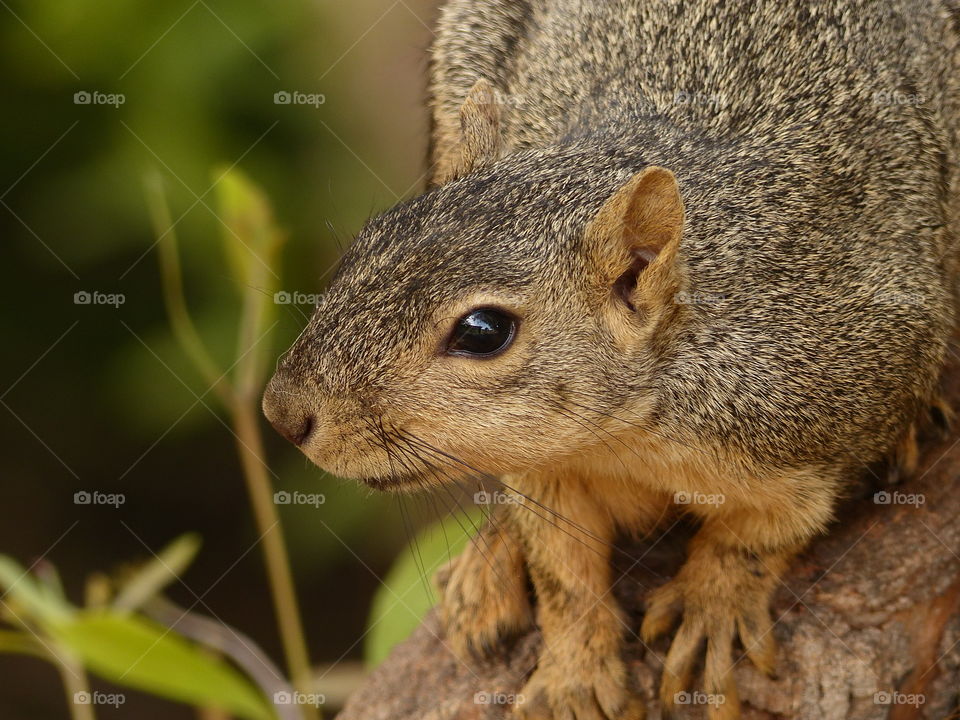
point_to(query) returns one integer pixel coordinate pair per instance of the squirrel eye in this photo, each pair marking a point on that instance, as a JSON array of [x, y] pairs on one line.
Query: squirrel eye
[[482, 333]]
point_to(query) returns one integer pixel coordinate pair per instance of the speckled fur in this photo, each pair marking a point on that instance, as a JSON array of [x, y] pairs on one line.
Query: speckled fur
[[819, 246]]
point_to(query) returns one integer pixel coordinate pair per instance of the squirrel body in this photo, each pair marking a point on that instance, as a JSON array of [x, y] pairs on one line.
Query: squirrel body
[[723, 239]]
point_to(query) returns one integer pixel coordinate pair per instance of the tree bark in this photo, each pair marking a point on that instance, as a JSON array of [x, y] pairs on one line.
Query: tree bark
[[868, 621]]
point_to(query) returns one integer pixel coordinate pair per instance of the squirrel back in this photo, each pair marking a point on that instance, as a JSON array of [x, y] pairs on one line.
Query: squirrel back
[[566, 67]]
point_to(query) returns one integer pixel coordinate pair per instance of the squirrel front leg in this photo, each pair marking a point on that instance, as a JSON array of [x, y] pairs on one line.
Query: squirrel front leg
[[484, 598], [580, 674], [734, 565]]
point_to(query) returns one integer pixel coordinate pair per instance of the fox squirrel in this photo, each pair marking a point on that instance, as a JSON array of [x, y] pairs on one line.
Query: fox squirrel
[[677, 258]]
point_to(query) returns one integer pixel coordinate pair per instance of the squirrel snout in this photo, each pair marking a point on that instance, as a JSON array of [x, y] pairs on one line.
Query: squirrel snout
[[290, 419]]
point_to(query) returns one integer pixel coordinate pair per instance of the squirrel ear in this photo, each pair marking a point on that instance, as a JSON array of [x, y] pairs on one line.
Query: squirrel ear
[[480, 141], [636, 235]]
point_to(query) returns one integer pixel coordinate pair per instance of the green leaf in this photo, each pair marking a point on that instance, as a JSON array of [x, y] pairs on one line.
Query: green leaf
[[250, 237], [157, 573], [40, 603], [132, 651], [406, 596]]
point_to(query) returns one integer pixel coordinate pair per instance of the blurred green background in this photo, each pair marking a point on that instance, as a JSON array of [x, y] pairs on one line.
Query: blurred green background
[[96, 397]]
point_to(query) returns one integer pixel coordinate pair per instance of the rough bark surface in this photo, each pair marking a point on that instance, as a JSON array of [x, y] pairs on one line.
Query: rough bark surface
[[869, 622]]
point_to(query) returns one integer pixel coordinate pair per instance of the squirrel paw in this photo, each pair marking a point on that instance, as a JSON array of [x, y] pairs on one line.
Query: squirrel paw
[[713, 611], [484, 600], [586, 691]]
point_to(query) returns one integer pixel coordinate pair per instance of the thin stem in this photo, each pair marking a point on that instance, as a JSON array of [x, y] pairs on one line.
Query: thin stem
[[173, 296], [240, 398], [212, 714], [250, 447], [74, 682]]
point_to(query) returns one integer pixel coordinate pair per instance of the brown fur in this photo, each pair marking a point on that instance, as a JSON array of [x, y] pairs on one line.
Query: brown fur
[[734, 268]]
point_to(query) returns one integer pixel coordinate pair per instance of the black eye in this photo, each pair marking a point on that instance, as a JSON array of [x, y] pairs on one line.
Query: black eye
[[482, 332]]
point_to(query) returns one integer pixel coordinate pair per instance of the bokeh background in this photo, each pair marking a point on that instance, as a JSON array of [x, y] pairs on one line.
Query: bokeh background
[[102, 398]]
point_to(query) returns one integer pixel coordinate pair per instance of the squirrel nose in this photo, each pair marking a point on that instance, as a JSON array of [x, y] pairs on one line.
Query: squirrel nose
[[294, 428], [288, 418]]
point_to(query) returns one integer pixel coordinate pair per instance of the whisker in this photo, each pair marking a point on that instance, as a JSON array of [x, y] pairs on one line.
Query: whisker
[[411, 533], [582, 422], [647, 429], [493, 478], [415, 546], [489, 515], [556, 516], [477, 530], [479, 535]]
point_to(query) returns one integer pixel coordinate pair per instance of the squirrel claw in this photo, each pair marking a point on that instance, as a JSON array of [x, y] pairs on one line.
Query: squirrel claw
[[712, 622], [559, 693], [720, 691], [756, 636], [664, 608]]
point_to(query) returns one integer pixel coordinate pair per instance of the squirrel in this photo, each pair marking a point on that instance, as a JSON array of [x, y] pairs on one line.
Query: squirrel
[[676, 258]]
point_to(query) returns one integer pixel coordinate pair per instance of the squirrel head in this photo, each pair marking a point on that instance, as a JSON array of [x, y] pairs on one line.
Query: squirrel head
[[503, 321]]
